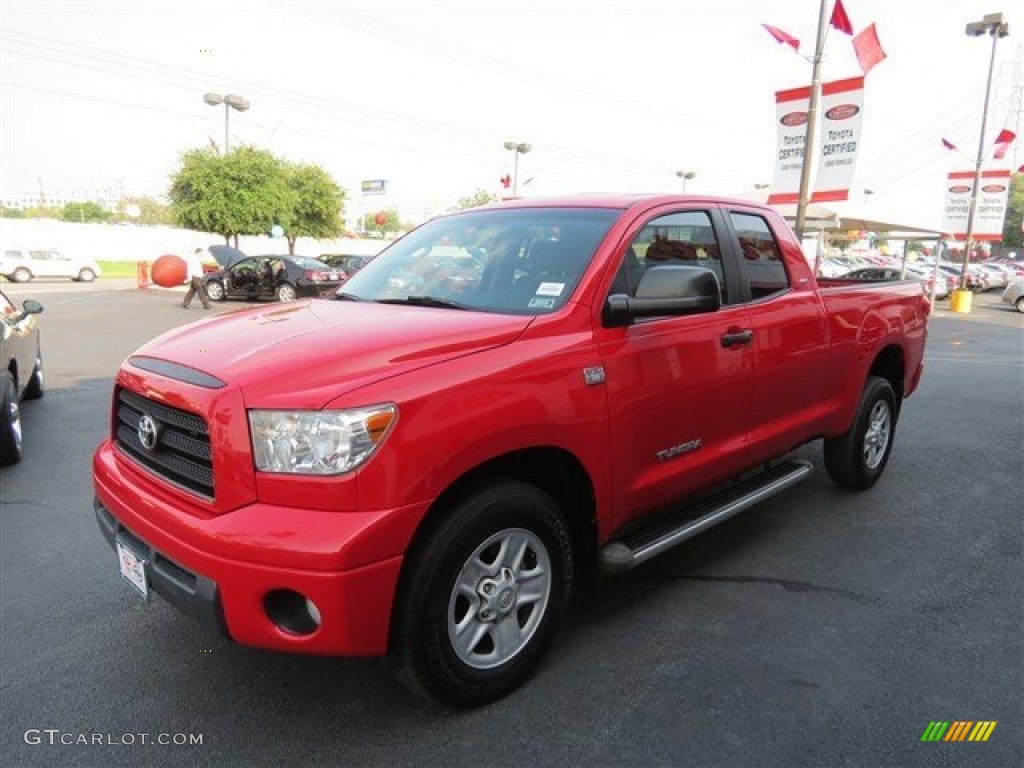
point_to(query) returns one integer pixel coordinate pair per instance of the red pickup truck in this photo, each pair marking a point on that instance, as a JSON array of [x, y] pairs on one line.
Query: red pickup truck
[[503, 400]]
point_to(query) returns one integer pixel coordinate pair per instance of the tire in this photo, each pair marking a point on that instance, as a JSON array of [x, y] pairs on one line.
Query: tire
[[86, 275], [285, 292], [21, 275], [857, 459], [483, 595], [1019, 304], [37, 384], [215, 290], [10, 422]]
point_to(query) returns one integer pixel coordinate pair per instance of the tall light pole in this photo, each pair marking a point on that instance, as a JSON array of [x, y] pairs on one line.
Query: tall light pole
[[810, 136], [685, 175], [518, 148], [230, 101], [994, 26]]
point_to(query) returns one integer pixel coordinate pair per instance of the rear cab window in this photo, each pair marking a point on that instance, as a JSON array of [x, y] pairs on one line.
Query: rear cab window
[[760, 256]]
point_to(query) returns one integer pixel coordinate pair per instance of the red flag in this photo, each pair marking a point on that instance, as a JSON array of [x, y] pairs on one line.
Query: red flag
[[782, 37], [840, 20], [1003, 142], [948, 144], [869, 50], [506, 181]]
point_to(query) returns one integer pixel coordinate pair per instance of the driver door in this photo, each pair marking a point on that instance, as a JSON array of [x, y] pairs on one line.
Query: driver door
[[679, 393]]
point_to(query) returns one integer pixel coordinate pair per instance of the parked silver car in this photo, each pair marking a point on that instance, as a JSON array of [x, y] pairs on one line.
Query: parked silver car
[[1014, 294]]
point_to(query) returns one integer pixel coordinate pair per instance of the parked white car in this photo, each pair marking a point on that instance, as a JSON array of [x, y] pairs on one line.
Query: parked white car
[[1014, 294], [20, 266]]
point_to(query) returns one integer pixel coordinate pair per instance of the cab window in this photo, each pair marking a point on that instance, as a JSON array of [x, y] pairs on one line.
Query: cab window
[[760, 256]]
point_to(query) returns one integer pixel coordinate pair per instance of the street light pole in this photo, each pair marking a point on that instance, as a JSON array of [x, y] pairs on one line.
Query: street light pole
[[994, 26], [517, 148], [230, 101], [684, 175], [810, 136]]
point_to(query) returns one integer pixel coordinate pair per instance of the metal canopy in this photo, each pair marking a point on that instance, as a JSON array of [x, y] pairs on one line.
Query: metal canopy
[[845, 216]]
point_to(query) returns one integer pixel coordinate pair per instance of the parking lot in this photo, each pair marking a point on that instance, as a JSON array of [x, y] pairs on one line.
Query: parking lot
[[822, 628]]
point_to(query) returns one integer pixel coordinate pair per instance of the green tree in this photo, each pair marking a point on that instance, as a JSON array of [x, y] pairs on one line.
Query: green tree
[[316, 205], [149, 211], [82, 212], [382, 222], [479, 196], [242, 193], [1012, 235]]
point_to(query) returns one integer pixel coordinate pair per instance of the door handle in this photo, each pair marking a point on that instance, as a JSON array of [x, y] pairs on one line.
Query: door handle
[[737, 337]]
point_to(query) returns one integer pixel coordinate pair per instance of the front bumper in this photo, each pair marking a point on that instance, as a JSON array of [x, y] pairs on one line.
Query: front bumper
[[221, 569]]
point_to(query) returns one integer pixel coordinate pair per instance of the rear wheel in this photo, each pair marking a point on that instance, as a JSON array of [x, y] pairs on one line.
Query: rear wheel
[[285, 292], [483, 595], [21, 275], [858, 458], [1019, 304], [86, 275], [10, 422], [215, 290]]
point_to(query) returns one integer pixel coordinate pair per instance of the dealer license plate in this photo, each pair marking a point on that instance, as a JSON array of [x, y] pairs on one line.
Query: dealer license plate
[[133, 568]]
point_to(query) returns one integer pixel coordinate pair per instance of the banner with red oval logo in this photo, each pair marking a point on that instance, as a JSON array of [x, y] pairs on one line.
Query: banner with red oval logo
[[842, 109], [991, 206]]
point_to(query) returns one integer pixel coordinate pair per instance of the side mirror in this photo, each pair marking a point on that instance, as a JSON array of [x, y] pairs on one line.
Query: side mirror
[[28, 307], [666, 291]]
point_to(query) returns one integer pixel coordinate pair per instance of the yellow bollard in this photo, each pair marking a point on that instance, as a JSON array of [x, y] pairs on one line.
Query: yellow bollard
[[960, 301]]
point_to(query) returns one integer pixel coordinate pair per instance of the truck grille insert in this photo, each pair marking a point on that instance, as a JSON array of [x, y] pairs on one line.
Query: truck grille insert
[[180, 451]]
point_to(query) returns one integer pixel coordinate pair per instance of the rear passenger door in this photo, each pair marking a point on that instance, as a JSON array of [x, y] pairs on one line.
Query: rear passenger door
[[790, 336], [678, 394]]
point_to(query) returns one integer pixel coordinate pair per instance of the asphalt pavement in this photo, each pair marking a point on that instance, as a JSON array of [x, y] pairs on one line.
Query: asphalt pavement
[[823, 628]]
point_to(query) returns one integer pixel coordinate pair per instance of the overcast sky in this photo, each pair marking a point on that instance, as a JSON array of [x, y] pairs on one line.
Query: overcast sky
[[613, 95]]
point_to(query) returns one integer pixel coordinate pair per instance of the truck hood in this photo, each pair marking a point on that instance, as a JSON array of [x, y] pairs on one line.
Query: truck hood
[[304, 354]]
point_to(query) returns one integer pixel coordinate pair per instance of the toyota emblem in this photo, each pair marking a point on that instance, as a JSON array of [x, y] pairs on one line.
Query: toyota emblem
[[148, 432]]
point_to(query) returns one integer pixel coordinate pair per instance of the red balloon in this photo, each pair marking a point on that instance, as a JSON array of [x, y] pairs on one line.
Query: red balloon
[[169, 271], [381, 219]]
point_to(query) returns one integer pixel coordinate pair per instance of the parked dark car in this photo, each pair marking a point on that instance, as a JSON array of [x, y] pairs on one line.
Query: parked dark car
[[284, 278], [22, 375]]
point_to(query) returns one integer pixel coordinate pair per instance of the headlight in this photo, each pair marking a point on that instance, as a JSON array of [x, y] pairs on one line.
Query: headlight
[[318, 442]]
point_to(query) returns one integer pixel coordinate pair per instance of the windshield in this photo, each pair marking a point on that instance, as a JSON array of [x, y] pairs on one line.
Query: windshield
[[518, 260]]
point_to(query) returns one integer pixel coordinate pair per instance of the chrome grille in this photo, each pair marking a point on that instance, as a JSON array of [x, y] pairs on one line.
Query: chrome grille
[[181, 454]]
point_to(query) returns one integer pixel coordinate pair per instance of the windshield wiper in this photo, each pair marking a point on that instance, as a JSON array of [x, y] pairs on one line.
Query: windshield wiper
[[342, 296], [430, 301]]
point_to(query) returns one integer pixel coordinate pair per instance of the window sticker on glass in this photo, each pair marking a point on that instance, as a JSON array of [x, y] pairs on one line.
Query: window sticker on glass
[[541, 303], [550, 289]]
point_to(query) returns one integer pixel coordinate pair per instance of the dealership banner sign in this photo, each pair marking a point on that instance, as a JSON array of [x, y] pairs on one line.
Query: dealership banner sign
[[791, 124], [993, 194], [842, 110]]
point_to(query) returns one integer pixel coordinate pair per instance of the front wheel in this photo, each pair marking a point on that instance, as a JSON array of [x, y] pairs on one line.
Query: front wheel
[[215, 290], [86, 275], [857, 458], [37, 383], [21, 275], [10, 422], [1019, 304], [285, 292], [483, 595]]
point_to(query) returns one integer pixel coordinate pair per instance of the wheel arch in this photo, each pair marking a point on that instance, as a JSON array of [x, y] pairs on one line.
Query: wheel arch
[[556, 471], [890, 364]]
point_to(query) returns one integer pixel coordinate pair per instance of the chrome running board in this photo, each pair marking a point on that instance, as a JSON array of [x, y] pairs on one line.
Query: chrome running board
[[641, 545]]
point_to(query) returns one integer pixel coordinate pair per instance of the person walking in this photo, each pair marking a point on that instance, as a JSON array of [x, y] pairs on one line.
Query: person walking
[[194, 264]]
